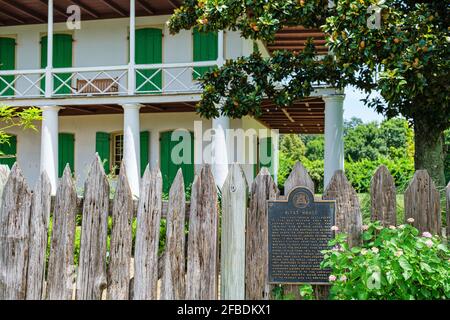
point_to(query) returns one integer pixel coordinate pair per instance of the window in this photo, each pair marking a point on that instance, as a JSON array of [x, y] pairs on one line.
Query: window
[[109, 147], [205, 49], [7, 62], [117, 152]]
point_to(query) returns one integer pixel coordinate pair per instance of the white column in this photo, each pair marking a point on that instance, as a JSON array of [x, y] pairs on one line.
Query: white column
[[48, 69], [220, 125], [221, 48], [334, 136], [131, 146], [132, 62], [49, 144], [220, 150]]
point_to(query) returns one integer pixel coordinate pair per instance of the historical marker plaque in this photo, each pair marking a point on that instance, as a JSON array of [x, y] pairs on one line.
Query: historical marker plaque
[[299, 229]]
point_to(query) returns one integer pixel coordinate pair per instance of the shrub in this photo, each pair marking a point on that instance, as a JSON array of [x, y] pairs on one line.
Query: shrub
[[392, 263]]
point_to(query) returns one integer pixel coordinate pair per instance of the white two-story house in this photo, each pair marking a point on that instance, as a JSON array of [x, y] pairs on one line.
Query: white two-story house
[[120, 84]]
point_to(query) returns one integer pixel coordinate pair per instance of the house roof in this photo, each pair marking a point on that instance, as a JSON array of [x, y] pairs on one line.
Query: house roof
[[19, 12]]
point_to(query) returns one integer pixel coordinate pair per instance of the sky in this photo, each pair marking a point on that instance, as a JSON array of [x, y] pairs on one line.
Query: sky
[[353, 107]]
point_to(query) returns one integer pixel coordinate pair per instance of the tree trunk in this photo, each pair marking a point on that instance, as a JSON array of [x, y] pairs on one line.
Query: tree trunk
[[429, 150]]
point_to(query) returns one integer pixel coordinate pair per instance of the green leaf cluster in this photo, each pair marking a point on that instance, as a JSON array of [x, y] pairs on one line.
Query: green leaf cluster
[[392, 263]]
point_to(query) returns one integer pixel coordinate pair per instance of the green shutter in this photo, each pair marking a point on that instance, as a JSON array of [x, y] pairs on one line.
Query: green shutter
[[7, 62], [62, 58], [103, 148], [148, 51], [145, 150], [8, 152], [205, 49], [266, 154], [168, 167], [66, 152]]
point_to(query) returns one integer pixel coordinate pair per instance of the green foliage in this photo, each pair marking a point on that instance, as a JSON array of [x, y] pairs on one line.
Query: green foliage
[[447, 155], [315, 146], [364, 142], [360, 173], [14, 117], [292, 145], [392, 263], [367, 146], [306, 292]]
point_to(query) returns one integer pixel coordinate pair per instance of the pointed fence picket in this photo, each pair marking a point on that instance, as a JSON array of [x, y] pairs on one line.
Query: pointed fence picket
[[147, 237], [61, 268], [173, 285], [422, 203], [181, 272], [348, 210], [14, 236], [40, 215], [234, 211], [121, 240], [256, 264], [203, 252], [383, 197]]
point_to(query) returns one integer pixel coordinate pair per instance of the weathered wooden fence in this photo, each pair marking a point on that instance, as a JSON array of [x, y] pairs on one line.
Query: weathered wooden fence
[[111, 265]]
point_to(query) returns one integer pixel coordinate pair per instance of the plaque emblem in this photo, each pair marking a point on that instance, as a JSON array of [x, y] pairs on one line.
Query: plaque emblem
[[300, 200]]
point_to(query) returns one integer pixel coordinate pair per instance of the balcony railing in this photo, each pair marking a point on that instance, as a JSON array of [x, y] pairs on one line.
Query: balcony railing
[[174, 78]]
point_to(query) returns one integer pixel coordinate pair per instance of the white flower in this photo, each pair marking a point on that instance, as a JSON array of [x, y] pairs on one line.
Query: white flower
[[343, 278], [410, 220], [429, 243], [398, 253], [392, 227], [334, 228], [427, 235], [363, 252], [332, 278], [375, 250]]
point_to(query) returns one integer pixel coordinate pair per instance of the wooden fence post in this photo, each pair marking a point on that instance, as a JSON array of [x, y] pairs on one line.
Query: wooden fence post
[[202, 264], [422, 203], [14, 235], [348, 211], [298, 177], [40, 215], [383, 197], [173, 286], [234, 211], [4, 174], [147, 237], [61, 268], [256, 271], [92, 262], [121, 240]]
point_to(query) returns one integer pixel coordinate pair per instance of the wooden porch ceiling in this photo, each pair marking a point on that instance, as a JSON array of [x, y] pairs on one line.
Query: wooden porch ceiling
[[294, 39], [19, 12], [306, 116]]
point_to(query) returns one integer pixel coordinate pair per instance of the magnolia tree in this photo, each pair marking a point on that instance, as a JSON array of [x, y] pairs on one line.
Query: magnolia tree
[[399, 48]]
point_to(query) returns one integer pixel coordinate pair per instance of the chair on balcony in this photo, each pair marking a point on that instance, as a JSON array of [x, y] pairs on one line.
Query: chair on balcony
[[97, 86]]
